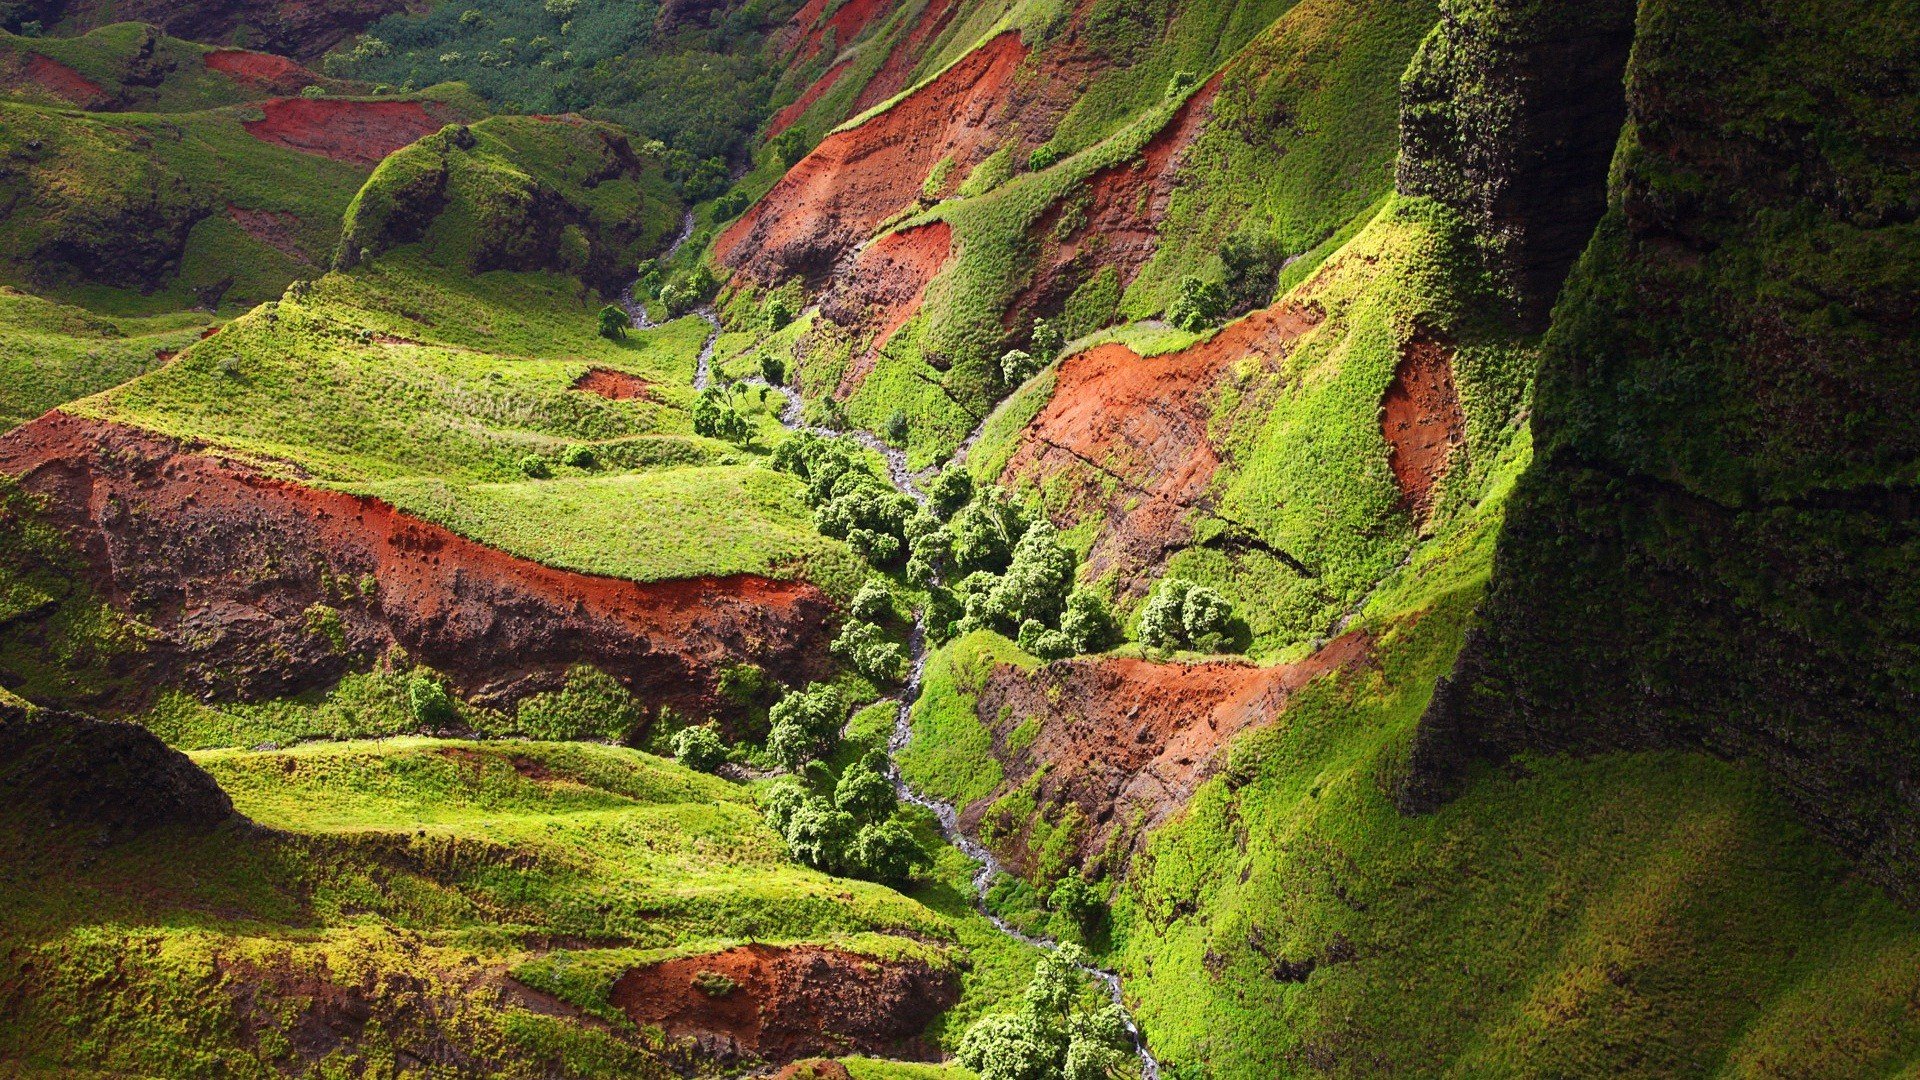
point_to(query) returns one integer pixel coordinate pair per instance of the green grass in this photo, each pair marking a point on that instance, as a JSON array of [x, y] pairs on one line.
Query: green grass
[[405, 867], [951, 753], [51, 353], [122, 59]]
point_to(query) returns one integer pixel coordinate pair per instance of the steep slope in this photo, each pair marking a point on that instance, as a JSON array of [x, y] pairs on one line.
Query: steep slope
[[1717, 547]]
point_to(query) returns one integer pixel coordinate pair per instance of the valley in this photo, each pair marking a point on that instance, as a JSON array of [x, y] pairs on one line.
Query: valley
[[958, 539]]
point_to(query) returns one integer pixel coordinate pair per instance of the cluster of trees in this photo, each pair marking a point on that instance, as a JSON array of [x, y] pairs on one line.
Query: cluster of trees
[[852, 827], [850, 501], [1019, 365], [1182, 615], [717, 416], [1054, 1034]]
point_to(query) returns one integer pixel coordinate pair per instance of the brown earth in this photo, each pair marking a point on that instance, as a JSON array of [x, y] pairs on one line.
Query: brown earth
[[225, 562], [1127, 741], [897, 70], [789, 1003], [276, 73], [1117, 418], [785, 118], [278, 229], [883, 290], [356, 132], [1118, 209], [62, 80], [808, 32], [614, 385], [836, 196], [1421, 419]]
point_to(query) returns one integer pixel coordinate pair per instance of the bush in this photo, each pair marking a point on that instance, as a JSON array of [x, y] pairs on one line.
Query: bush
[[805, 724], [1198, 305], [1253, 270], [1078, 901], [865, 790], [1047, 341], [579, 456], [614, 322], [1017, 366], [886, 852], [700, 748], [715, 417], [789, 147], [864, 645], [1048, 1038], [896, 428], [873, 603], [1088, 623], [779, 315], [1043, 157], [535, 467], [950, 491], [729, 206], [429, 702], [1181, 614]]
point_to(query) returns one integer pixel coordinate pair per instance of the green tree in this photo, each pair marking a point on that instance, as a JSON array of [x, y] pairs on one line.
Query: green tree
[[429, 702], [700, 748], [614, 322], [866, 790], [804, 724], [1198, 305], [886, 852]]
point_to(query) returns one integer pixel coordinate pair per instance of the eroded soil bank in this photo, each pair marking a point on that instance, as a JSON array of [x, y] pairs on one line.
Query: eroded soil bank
[[260, 587]]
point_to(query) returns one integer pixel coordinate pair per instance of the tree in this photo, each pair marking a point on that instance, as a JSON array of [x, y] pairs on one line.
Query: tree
[[779, 315], [818, 833], [1017, 366], [1205, 616], [1078, 900], [429, 702], [886, 852], [873, 603], [864, 645], [614, 322], [700, 748], [950, 491], [1181, 614], [1047, 341], [1253, 265], [865, 790], [1013, 1046], [1038, 578], [1088, 623], [1198, 305], [789, 147], [804, 724], [715, 417], [774, 370]]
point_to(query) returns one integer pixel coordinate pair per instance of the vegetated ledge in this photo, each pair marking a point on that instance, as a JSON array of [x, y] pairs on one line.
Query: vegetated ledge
[[257, 587]]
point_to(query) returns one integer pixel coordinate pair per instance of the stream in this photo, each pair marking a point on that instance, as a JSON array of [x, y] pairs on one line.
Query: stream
[[904, 479]]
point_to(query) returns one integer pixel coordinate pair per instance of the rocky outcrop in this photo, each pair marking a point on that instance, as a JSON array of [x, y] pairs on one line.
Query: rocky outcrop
[[72, 771], [1718, 543], [256, 587], [774, 1004], [1509, 114]]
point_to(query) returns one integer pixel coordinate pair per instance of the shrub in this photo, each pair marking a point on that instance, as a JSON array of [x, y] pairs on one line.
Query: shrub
[[1198, 305], [579, 456], [728, 206], [886, 852], [715, 417], [865, 790], [647, 278], [1079, 901], [535, 467], [1017, 366], [1205, 617], [714, 984], [1181, 82], [950, 491], [1043, 157], [789, 147], [429, 702], [700, 748], [779, 315], [614, 322], [1181, 614], [1047, 341], [873, 603], [1088, 623], [1253, 265], [985, 532], [804, 724], [864, 645], [1048, 1037], [896, 427]]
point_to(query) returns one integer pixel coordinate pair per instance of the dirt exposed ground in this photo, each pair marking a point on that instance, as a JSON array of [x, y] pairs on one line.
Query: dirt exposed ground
[[225, 563], [780, 1004], [60, 79], [276, 73], [836, 196], [1127, 741], [614, 385], [275, 228], [892, 77], [785, 118], [883, 291], [1130, 434], [1421, 419], [357, 132], [1119, 210]]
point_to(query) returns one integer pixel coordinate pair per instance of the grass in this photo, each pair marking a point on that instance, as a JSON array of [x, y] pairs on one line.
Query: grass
[[951, 753], [122, 59], [52, 353], [407, 869]]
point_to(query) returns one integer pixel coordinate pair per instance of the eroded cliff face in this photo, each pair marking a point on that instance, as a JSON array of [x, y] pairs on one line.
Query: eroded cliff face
[[1719, 542], [225, 567], [1509, 114]]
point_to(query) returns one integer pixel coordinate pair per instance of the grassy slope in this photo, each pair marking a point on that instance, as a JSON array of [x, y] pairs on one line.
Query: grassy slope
[[406, 871], [109, 55], [51, 353]]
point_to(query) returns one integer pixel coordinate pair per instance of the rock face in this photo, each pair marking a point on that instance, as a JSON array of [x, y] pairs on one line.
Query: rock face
[[229, 567], [1718, 544], [73, 770], [1509, 114], [303, 29], [780, 1004]]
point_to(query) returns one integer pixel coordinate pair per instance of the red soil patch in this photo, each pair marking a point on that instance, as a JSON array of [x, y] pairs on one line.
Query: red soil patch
[[224, 562], [357, 132], [847, 22], [266, 70], [836, 197], [614, 385], [64, 81], [1421, 419], [788, 1003], [1142, 421], [1127, 741], [274, 228], [884, 289], [784, 119], [894, 74], [1122, 207]]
